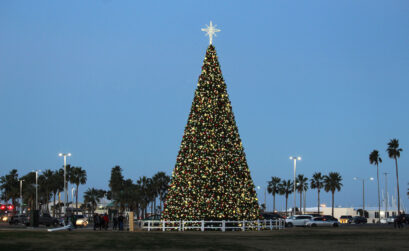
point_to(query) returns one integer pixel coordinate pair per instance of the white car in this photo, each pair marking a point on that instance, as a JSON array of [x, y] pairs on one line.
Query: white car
[[322, 222], [81, 221], [298, 220]]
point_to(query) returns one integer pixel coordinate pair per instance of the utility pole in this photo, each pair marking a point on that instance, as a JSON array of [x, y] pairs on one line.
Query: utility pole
[[21, 196], [386, 193]]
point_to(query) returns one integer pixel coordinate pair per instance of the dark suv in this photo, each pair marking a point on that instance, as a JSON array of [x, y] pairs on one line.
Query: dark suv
[[18, 219], [44, 219], [359, 220]]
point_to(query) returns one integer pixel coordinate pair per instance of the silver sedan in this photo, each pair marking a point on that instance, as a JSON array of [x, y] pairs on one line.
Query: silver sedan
[[322, 222]]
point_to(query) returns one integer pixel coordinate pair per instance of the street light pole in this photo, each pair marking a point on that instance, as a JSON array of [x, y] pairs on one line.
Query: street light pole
[[21, 196], [363, 196], [363, 193], [65, 179], [386, 195], [36, 171], [295, 168]]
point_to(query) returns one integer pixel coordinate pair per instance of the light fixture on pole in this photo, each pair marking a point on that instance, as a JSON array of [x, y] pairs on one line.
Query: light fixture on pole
[[21, 196], [295, 167], [65, 179], [363, 192]]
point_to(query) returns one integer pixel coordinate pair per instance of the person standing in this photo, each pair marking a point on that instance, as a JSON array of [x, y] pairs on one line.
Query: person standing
[[96, 221], [115, 222], [121, 222], [101, 222], [106, 221]]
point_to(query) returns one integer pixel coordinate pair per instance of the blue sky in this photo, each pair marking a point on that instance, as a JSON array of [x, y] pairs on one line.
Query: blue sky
[[112, 82]]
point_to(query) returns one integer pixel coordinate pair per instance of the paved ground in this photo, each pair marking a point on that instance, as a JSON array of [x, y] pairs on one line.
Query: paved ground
[[351, 237]]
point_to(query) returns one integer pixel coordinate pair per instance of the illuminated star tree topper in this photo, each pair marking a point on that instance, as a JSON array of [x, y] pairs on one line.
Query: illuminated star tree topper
[[210, 31]]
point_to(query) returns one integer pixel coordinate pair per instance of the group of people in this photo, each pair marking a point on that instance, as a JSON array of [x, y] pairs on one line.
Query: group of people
[[399, 220], [101, 221]]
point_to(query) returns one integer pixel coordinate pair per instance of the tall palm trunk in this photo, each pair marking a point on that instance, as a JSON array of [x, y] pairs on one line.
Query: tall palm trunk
[[76, 200], [54, 206], [318, 201], [59, 204], [286, 200], [397, 184], [379, 196], [333, 203], [300, 209], [274, 202]]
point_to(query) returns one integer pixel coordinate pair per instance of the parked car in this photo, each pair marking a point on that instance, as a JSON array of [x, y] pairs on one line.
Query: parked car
[[322, 222], [359, 220], [44, 219], [330, 218], [391, 219], [17, 219], [81, 221], [298, 220], [345, 219]]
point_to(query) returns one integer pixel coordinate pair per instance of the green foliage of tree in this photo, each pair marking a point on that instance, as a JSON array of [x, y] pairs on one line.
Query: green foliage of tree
[[272, 189], [9, 185], [301, 186], [332, 183], [375, 159], [211, 179], [394, 153], [77, 176], [317, 182], [92, 197], [286, 188]]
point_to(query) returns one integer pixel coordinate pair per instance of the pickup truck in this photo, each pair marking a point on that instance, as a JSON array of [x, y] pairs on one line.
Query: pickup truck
[[44, 219]]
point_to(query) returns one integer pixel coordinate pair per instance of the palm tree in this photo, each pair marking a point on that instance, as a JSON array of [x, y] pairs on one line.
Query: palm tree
[[332, 182], [285, 188], [273, 189], [143, 185], [162, 184], [47, 185], [317, 182], [57, 185], [93, 196], [77, 176], [29, 189], [394, 153], [9, 184], [301, 186], [374, 159]]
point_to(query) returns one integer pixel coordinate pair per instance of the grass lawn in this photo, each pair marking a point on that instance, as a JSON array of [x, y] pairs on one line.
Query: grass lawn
[[289, 239]]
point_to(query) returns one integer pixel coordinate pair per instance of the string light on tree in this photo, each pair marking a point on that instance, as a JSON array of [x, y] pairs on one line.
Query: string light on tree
[[211, 179]]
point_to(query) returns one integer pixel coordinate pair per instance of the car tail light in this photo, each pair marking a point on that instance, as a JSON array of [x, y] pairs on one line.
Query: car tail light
[[2, 207], [10, 207]]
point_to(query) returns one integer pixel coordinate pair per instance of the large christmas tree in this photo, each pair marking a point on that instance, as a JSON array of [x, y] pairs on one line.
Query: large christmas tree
[[211, 179]]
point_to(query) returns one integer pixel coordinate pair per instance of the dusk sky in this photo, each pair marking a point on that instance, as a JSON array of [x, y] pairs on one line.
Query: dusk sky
[[112, 82]]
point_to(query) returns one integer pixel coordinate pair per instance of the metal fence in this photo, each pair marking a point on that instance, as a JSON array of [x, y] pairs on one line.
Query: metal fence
[[259, 225]]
